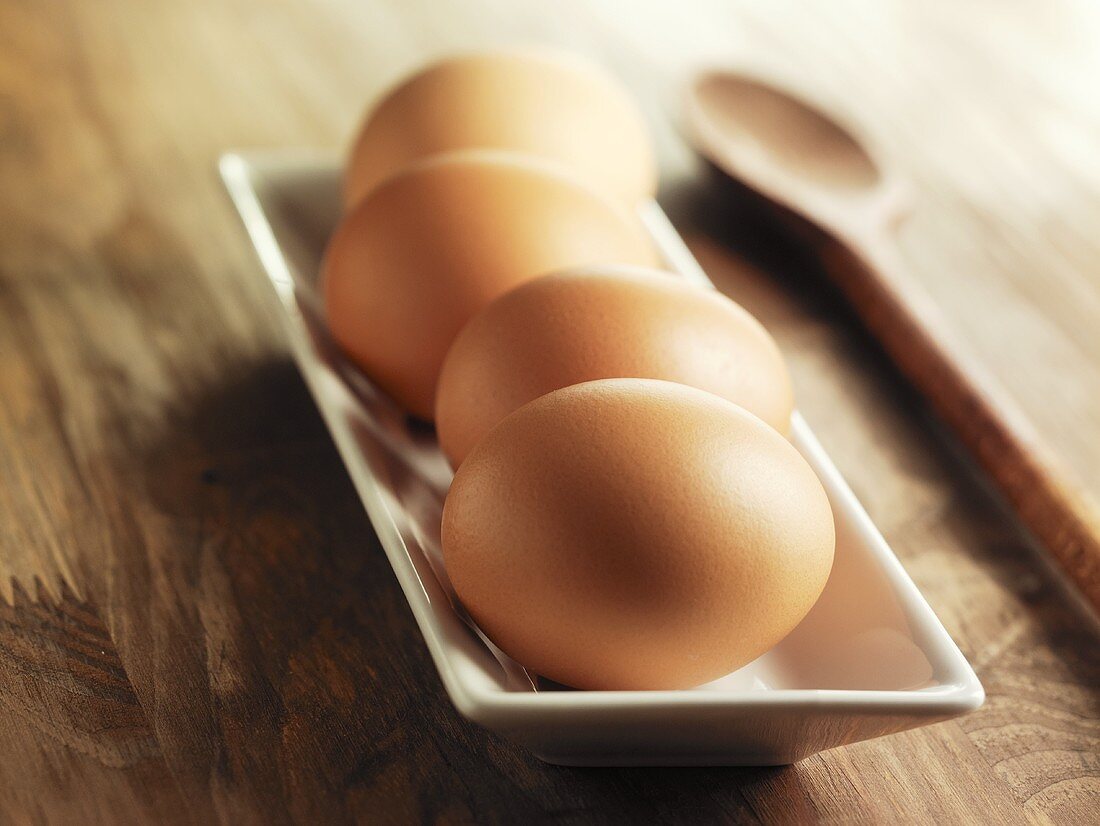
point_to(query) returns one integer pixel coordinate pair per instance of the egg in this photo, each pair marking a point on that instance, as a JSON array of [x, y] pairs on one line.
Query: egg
[[429, 248], [599, 323], [636, 534], [552, 105]]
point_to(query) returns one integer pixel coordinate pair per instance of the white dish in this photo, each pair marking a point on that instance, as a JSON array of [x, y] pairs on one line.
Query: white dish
[[870, 659]]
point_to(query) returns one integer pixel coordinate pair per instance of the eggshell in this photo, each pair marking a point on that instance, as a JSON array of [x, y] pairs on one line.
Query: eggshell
[[438, 241], [540, 102], [599, 323], [636, 534]]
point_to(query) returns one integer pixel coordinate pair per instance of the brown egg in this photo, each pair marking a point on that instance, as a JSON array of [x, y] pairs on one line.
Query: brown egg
[[600, 323], [435, 243], [636, 534], [556, 106]]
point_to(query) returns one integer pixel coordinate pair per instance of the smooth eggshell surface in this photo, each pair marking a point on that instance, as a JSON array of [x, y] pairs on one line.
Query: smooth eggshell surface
[[412, 263], [636, 534], [539, 102], [599, 323]]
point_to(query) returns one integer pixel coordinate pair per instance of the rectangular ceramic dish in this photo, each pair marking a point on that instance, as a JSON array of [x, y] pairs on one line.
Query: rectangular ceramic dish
[[870, 659]]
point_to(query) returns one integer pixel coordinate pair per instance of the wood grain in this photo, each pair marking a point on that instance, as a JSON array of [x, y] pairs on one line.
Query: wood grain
[[214, 633]]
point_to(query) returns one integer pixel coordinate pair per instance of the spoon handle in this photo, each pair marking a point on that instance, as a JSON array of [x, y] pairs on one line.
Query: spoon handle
[[902, 316]]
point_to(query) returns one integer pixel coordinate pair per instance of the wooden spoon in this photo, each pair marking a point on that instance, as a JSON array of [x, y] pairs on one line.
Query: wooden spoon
[[787, 150]]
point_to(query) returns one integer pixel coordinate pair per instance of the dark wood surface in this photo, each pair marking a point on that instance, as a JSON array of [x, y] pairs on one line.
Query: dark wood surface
[[197, 623]]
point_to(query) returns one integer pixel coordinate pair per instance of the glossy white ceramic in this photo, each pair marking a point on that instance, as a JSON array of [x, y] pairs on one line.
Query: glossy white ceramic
[[870, 659]]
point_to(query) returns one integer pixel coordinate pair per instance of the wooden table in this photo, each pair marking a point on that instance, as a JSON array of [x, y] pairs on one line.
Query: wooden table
[[197, 622]]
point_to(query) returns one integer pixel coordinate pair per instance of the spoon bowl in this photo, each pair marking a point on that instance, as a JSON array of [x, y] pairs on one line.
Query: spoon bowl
[[791, 151], [791, 132]]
